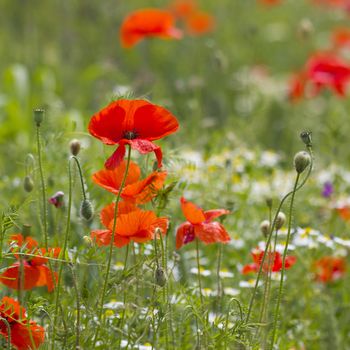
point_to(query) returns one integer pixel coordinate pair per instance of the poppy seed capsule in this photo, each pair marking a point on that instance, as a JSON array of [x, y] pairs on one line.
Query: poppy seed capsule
[[28, 184], [160, 277], [38, 116], [280, 220], [74, 146], [306, 138], [265, 227], [301, 161], [86, 210]]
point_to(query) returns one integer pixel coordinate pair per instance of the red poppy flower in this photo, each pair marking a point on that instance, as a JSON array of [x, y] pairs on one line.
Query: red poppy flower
[[148, 23], [329, 269], [35, 272], [341, 37], [199, 23], [328, 70], [133, 122], [296, 88], [135, 190], [25, 334], [200, 225], [183, 8], [344, 212], [133, 224], [273, 261]]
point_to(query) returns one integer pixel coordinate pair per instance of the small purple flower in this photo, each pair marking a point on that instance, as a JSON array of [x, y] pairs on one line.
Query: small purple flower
[[327, 189], [57, 199]]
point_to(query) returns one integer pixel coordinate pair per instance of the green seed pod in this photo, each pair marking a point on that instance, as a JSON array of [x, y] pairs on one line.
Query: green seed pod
[[28, 184], [74, 146], [301, 161], [160, 277], [265, 227], [38, 116], [280, 220], [86, 210], [306, 138]]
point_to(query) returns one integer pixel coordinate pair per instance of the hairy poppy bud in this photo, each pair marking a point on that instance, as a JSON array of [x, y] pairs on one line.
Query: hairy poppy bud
[[160, 277], [306, 138], [88, 241], [265, 227], [57, 199], [269, 201], [38, 116], [280, 220], [301, 161], [74, 146], [28, 184], [86, 210]]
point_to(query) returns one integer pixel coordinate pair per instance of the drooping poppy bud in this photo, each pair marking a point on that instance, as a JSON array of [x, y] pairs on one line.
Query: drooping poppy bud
[[38, 116], [265, 227], [160, 277], [86, 210], [28, 184], [74, 146], [280, 220], [57, 199], [301, 161]]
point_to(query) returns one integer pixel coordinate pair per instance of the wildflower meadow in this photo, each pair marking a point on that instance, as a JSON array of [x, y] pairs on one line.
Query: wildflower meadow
[[175, 175]]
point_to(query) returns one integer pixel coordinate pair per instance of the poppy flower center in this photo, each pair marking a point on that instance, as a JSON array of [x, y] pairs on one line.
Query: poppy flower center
[[130, 135], [189, 234]]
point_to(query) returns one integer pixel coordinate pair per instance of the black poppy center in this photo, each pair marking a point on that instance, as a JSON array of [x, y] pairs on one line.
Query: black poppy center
[[130, 135]]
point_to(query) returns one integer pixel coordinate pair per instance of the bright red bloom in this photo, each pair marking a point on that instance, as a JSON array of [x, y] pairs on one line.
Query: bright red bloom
[[200, 225], [183, 8], [329, 269], [133, 122], [199, 23], [273, 262], [344, 212], [133, 224], [341, 37], [328, 70], [25, 334], [35, 271], [147, 23], [135, 190], [296, 88]]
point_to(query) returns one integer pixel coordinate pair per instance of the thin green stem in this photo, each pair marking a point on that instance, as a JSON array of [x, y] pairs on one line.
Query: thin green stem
[[80, 175], [251, 303], [77, 326], [219, 289], [63, 252], [284, 262], [104, 289]]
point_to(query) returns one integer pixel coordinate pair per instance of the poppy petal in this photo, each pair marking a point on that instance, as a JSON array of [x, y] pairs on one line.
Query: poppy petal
[[116, 158], [24, 336], [192, 212], [211, 232], [184, 234], [102, 237], [210, 215]]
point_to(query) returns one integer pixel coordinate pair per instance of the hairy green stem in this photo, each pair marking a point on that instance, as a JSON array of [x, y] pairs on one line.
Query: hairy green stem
[[104, 289], [284, 262]]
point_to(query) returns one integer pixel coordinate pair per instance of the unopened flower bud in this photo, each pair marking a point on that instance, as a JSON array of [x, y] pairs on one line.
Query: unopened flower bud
[[280, 220], [160, 277], [265, 227], [86, 210], [38, 116], [301, 161], [306, 138], [269, 202], [74, 146], [57, 199], [28, 184], [88, 241]]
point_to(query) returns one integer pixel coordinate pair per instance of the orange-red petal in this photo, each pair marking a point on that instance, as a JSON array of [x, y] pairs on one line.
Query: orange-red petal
[[26, 336], [199, 23], [193, 213], [211, 232], [210, 215]]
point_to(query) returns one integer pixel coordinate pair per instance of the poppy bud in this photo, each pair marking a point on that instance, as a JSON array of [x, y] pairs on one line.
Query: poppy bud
[[280, 220], [57, 199], [160, 277], [88, 241], [301, 161], [74, 146], [86, 210], [38, 116], [306, 138], [265, 227], [28, 184], [269, 201]]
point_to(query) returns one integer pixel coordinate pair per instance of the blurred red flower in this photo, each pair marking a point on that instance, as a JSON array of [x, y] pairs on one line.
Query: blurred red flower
[[199, 23], [296, 88], [183, 8], [133, 224], [344, 212], [329, 269], [35, 271], [341, 37], [133, 122], [199, 225], [148, 23], [25, 334], [270, 2], [135, 190], [273, 261]]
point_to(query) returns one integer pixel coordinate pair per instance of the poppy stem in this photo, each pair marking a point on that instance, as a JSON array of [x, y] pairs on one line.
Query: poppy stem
[[219, 287], [109, 259], [63, 252], [272, 228], [199, 274], [76, 289], [80, 175], [284, 262]]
